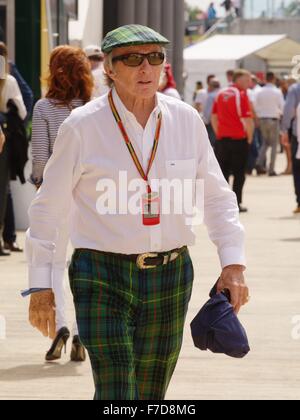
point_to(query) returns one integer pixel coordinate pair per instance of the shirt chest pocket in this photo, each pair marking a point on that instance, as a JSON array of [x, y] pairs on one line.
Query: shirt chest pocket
[[181, 169]]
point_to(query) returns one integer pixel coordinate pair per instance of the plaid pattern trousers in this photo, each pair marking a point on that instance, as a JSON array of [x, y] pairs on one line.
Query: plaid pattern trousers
[[131, 321]]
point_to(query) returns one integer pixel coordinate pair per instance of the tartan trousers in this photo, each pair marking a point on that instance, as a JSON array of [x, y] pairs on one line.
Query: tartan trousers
[[131, 321]]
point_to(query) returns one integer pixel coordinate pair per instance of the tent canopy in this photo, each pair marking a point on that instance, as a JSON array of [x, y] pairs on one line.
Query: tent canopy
[[237, 47], [222, 52]]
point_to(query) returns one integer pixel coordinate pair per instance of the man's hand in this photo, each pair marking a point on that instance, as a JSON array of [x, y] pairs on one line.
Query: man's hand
[[249, 127], [2, 141], [215, 123], [232, 278], [42, 313], [285, 141]]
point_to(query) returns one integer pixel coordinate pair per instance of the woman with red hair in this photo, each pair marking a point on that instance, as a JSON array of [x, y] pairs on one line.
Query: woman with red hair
[[168, 84], [70, 85]]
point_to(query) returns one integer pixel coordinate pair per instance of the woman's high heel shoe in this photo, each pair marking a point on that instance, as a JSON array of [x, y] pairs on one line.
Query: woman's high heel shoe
[[59, 343], [78, 351]]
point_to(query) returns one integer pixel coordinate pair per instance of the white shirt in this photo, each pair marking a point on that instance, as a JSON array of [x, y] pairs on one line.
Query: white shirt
[[173, 93], [90, 148], [269, 102], [12, 91], [201, 97], [99, 83]]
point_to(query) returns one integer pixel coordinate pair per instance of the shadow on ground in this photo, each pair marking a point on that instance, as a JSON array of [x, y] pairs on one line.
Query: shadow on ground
[[31, 372], [285, 218]]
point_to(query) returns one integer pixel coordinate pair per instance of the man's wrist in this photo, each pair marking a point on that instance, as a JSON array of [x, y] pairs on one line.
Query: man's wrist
[[237, 267], [33, 291]]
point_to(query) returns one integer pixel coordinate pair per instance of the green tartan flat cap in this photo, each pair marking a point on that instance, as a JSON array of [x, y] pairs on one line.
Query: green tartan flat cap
[[131, 35]]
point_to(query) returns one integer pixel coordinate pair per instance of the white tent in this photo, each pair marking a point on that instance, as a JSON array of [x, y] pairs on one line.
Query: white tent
[[220, 53]]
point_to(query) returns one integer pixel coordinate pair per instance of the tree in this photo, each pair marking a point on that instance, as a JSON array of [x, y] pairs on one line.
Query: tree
[[193, 12], [293, 9]]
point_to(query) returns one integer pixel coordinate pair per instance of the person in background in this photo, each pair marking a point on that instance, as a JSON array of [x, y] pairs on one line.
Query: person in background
[[232, 121], [236, 4], [167, 83], [255, 147], [201, 97], [9, 91], [229, 77], [292, 120], [227, 4], [199, 87], [211, 16], [269, 105], [70, 85], [9, 231], [213, 91], [285, 84], [27, 93], [95, 56], [254, 89], [4, 174]]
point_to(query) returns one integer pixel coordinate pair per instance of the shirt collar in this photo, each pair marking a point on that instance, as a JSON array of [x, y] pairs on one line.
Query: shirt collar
[[127, 115]]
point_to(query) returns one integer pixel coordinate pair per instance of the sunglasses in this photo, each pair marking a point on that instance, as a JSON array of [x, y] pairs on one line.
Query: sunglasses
[[135, 59]]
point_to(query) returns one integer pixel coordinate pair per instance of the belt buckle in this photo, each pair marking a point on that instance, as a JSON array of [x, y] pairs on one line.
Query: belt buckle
[[141, 261], [173, 256]]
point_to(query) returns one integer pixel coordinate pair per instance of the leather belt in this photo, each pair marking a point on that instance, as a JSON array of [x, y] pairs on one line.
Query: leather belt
[[148, 260]]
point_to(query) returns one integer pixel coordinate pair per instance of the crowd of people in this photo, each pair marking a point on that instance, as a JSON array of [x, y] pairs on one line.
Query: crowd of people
[[246, 119], [231, 7]]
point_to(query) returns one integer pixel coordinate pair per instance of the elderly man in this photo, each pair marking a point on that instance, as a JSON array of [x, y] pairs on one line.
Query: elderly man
[[131, 273]]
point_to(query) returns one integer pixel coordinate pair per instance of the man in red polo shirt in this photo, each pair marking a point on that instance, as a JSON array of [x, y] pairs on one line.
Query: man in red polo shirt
[[233, 124]]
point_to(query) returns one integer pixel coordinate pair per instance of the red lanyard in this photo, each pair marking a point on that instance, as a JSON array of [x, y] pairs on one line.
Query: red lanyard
[[130, 146]]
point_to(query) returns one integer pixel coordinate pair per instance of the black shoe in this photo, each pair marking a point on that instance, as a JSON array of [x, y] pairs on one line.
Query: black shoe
[[260, 171], [78, 351], [272, 174], [2, 252], [243, 209], [59, 343], [12, 247]]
